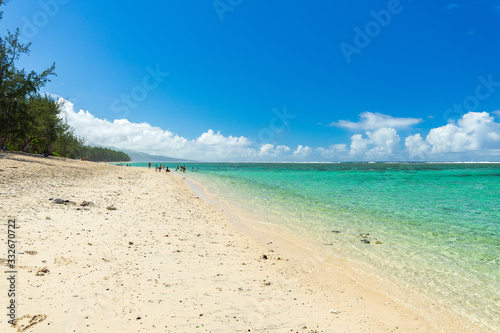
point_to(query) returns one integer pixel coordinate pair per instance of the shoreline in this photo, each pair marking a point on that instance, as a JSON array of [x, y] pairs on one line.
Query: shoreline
[[165, 260], [311, 253]]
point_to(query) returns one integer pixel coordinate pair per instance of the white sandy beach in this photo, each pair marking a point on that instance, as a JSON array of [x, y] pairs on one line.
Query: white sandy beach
[[167, 261]]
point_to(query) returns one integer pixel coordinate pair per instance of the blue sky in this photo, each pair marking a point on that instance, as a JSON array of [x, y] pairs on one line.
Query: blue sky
[[378, 80]]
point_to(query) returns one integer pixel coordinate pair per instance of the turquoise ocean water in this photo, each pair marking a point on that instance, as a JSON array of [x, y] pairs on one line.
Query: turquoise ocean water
[[435, 227]]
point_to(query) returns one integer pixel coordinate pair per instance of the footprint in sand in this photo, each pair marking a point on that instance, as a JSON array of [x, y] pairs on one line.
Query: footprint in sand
[[27, 321]]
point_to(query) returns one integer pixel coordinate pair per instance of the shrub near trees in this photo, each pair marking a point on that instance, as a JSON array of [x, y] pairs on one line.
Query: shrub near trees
[[30, 121]]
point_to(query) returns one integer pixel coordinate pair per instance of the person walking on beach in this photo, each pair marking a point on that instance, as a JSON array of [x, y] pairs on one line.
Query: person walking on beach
[[149, 165]]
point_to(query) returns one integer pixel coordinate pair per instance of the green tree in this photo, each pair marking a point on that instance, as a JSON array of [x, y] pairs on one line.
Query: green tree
[[41, 122], [68, 144], [30, 119], [16, 85]]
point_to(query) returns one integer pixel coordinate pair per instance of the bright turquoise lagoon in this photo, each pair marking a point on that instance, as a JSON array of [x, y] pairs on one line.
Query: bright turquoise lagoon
[[438, 224]]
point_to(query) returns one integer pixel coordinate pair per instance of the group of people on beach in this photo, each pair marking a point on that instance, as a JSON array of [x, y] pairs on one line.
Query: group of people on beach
[[159, 168]]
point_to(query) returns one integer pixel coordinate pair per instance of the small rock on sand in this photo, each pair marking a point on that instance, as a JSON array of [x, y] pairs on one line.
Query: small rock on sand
[[58, 201], [42, 271]]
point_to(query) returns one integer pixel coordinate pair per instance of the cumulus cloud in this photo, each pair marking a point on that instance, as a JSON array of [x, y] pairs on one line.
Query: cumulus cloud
[[474, 131], [373, 121], [358, 145], [386, 138], [332, 151], [379, 145], [270, 150], [142, 137], [302, 152], [122, 134], [416, 146], [476, 136]]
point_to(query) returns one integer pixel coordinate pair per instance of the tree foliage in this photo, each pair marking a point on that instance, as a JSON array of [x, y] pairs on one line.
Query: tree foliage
[[30, 121]]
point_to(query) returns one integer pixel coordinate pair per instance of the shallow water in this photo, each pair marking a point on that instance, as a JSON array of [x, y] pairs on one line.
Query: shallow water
[[435, 227]]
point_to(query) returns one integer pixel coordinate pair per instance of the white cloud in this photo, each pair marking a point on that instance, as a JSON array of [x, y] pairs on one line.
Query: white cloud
[[475, 131], [142, 137], [373, 121], [386, 140], [380, 145], [210, 138], [358, 145], [302, 152], [122, 134], [333, 150], [266, 149], [270, 150], [476, 136], [416, 146]]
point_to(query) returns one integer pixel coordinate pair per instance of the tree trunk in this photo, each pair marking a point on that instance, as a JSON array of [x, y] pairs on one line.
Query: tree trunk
[[26, 144], [49, 147], [5, 138]]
